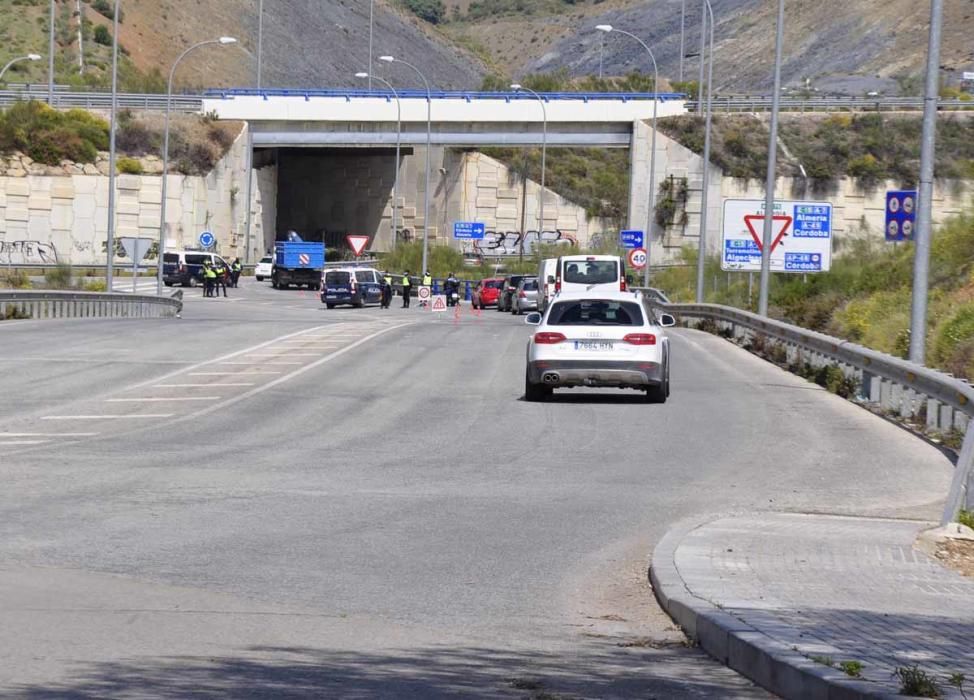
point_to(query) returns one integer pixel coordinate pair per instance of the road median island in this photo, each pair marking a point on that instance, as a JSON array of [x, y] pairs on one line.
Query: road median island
[[802, 604]]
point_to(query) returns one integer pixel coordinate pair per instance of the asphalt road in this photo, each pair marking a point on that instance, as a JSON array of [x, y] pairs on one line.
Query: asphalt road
[[267, 499]]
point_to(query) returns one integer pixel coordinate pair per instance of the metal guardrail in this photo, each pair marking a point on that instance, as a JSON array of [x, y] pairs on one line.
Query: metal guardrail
[[762, 103], [894, 385], [54, 304], [468, 95], [103, 100]]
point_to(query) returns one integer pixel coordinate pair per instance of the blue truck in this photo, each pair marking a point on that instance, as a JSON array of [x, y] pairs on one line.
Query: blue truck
[[297, 262]]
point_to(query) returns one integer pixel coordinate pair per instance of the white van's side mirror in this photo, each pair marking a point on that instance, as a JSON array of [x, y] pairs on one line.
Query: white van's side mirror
[[666, 320], [533, 319]]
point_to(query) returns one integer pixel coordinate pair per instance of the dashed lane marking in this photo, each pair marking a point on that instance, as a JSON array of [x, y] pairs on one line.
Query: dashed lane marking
[[29, 435], [229, 374], [199, 386], [112, 417], [145, 399], [11, 443]]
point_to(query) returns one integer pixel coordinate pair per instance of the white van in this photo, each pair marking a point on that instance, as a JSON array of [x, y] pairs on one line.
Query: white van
[[547, 271], [590, 273]]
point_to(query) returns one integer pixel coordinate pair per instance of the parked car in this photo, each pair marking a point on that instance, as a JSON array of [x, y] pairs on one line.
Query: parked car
[[590, 273], [263, 268], [504, 300], [598, 340], [185, 267], [485, 292], [526, 297], [356, 286]]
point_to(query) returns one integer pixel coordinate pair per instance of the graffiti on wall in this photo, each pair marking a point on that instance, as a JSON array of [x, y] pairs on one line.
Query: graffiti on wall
[[27, 253], [509, 242]]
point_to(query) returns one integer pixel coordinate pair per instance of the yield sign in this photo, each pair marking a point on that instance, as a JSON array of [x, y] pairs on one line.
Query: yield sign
[[357, 243], [752, 219]]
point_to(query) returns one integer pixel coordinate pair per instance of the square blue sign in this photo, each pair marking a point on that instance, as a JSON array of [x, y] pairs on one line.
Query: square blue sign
[[469, 230], [631, 239]]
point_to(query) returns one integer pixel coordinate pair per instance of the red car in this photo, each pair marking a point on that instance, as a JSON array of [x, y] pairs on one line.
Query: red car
[[486, 292]]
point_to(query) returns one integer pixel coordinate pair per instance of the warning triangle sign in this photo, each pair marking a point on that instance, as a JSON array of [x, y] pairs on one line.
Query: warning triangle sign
[[439, 303], [755, 222], [357, 243]]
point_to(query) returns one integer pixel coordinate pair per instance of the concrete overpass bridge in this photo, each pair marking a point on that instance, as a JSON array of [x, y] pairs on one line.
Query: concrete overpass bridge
[[332, 154]]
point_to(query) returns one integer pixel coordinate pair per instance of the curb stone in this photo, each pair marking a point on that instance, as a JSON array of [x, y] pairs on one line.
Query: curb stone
[[739, 646]]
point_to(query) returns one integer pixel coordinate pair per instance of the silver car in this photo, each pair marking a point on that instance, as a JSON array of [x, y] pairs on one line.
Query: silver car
[[526, 296]]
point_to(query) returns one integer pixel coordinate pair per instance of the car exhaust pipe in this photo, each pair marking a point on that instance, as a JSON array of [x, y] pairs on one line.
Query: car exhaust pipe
[[550, 378]]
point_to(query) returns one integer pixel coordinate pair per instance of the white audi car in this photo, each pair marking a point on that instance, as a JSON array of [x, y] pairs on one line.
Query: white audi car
[[263, 267], [607, 339]]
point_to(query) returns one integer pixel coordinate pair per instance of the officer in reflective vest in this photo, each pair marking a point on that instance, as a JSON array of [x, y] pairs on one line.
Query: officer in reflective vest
[[209, 279], [406, 287], [235, 270], [427, 282], [386, 291]]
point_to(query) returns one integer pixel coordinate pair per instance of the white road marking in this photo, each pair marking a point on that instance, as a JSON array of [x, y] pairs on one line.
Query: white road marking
[[26, 435], [109, 417], [23, 442], [282, 363], [228, 374], [169, 398], [195, 386]]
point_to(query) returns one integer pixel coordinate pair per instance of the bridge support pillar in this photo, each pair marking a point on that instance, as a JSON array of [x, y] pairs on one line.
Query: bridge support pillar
[[639, 158]]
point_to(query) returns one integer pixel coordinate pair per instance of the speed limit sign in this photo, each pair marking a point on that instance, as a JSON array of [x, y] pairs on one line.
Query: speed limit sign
[[637, 258]]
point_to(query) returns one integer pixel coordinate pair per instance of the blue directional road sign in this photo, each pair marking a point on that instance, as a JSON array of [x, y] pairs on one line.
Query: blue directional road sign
[[631, 239], [468, 230], [901, 215], [207, 239]]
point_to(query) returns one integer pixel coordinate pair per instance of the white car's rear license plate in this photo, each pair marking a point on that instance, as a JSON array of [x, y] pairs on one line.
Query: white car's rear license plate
[[593, 345]]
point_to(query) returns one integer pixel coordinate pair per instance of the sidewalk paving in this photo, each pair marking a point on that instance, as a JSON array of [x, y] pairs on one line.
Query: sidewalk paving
[[764, 593]]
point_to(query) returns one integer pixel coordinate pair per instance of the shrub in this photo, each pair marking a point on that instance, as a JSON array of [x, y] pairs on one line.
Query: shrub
[[102, 35], [59, 277], [953, 333], [966, 517], [49, 136], [431, 11], [129, 166], [15, 279], [95, 286], [916, 682], [137, 139]]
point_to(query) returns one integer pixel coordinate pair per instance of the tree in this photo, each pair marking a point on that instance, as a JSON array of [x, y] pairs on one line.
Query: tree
[[102, 35]]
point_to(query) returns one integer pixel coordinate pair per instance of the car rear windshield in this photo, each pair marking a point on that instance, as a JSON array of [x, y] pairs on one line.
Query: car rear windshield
[[493, 284], [530, 285], [595, 312], [591, 271], [337, 278], [267, 259], [170, 257]]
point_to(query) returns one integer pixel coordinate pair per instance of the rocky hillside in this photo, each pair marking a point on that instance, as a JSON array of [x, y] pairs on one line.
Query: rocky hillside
[[307, 43]]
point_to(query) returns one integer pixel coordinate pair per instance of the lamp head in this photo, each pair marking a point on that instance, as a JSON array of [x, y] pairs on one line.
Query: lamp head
[[361, 75], [387, 59], [33, 57], [604, 27], [515, 86], [227, 40]]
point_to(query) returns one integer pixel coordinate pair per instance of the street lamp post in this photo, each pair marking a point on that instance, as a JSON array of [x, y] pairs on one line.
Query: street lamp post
[[544, 147], [924, 229], [429, 122], [50, 58], [683, 23], [110, 235], [260, 42], [371, 25], [651, 214], [705, 180], [395, 182], [766, 239], [28, 57], [223, 41]]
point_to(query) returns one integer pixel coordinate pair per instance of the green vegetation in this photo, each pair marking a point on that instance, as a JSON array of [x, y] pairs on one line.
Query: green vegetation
[[129, 166], [966, 517], [14, 313], [15, 279], [102, 35], [870, 147], [957, 680], [866, 296], [824, 660], [196, 142], [49, 136], [916, 682], [432, 11], [851, 668], [60, 277]]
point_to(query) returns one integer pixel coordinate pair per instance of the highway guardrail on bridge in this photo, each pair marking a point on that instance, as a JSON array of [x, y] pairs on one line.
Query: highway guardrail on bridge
[[52, 304], [894, 385]]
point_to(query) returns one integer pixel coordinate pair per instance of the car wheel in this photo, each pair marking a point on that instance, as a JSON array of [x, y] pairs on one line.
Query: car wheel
[[259, 278], [330, 306], [192, 281], [168, 284], [535, 392], [656, 394]]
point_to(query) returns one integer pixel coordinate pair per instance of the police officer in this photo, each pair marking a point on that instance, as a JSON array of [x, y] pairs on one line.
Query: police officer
[[209, 278], [386, 291], [427, 282], [222, 273], [406, 288], [235, 270]]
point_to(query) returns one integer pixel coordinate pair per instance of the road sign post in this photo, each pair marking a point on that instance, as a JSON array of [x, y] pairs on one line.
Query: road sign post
[[469, 230], [136, 248], [801, 239], [901, 215], [631, 239]]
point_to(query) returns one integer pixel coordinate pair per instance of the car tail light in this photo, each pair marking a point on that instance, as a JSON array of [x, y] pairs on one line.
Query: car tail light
[[640, 339], [546, 338], [182, 268], [557, 284], [622, 284]]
